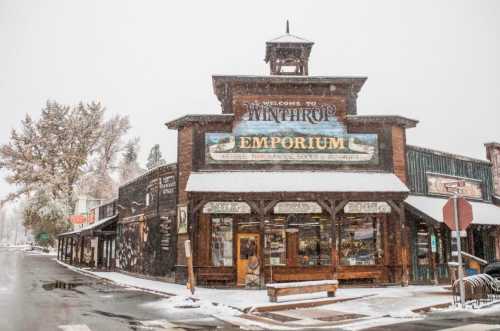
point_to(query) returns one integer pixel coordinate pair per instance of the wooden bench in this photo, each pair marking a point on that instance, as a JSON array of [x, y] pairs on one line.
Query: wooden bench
[[206, 276], [275, 290]]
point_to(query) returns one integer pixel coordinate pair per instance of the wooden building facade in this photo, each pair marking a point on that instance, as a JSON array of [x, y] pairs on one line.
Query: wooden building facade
[[146, 224], [289, 183], [94, 245], [430, 239]]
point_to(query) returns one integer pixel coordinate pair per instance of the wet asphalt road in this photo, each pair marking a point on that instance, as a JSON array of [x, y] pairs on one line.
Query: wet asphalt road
[[37, 294]]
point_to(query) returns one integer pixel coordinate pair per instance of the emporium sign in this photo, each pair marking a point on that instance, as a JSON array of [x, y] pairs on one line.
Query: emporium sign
[[367, 207], [290, 130], [226, 207], [436, 184], [297, 207]]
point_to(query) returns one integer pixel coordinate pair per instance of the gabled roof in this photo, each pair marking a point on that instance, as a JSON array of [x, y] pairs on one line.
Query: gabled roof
[[288, 38]]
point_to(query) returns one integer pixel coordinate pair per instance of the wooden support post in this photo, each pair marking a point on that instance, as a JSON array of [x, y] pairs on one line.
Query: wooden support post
[[189, 261], [66, 248], [58, 247], [108, 253], [405, 278], [82, 250], [71, 251]]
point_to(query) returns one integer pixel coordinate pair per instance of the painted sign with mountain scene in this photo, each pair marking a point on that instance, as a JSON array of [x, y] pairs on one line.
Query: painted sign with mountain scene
[[290, 131]]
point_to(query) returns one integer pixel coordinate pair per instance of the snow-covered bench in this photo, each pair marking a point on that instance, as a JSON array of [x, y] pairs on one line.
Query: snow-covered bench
[[275, 290]]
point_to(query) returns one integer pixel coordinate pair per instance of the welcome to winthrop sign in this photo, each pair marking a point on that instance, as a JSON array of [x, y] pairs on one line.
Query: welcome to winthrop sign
[[290, 130]]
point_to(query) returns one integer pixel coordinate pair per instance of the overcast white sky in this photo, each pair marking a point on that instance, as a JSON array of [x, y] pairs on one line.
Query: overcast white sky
[[435, 61]]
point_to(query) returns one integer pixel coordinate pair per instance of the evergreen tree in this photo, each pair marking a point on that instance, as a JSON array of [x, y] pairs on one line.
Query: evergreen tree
[[129, 165], [154, 158]]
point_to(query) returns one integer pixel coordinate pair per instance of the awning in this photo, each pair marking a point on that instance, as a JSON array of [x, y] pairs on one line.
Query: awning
[[92, 227], [294, 181], [482, 213]]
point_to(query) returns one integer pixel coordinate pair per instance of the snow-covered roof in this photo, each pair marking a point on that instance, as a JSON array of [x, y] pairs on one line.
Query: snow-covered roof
[[482, 213], [148, 172], [294, 181], [93, 226], [290, 38]]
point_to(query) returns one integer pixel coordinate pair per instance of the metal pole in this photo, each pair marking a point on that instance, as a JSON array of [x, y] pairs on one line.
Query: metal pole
[[459, 248]]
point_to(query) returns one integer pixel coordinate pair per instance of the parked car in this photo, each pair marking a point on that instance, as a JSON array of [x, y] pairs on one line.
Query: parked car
[[493, 269]]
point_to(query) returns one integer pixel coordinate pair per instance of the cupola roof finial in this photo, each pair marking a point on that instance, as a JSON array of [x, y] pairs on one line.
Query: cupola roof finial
[[287, 27]]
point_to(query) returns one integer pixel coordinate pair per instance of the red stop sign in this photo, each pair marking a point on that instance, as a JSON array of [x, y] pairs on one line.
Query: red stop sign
[[464, 214]]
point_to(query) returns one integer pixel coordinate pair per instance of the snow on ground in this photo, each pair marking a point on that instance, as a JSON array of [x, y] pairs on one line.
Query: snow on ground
[[399, 301], [394, 301], [382, 305]]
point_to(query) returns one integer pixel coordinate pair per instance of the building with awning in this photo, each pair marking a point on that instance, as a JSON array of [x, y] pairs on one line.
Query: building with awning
[[289, 182], [431, 244], [93, 245], [432, 207]]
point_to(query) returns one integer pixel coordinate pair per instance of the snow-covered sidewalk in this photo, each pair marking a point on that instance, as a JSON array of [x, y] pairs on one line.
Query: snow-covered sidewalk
[[375, 300], [381, 305]]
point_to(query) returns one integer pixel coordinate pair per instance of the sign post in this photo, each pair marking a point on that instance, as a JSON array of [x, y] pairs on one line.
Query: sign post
[[461, 210], [189, 259]]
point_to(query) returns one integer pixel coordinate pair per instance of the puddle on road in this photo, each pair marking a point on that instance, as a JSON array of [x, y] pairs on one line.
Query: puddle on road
[[69, 286]]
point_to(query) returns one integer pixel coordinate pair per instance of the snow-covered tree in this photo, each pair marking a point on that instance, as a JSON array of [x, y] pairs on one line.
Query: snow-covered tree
[[98, 182], [50, 153], [129, 165], [154, 158], [67, 151], [43, 214]]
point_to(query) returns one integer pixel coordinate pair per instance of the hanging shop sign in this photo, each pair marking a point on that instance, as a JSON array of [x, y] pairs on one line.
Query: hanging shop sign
[[297, 207], [182, 219], [226, 207], [367, 207], [290, 130], [437, 183]]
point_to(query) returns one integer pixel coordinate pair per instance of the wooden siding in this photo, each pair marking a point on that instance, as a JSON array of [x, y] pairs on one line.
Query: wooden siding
[[420, 161]]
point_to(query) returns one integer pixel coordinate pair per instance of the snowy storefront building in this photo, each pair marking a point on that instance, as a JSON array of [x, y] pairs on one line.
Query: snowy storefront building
[[289, 183], [146, 206], [94, 244], [429, 172]]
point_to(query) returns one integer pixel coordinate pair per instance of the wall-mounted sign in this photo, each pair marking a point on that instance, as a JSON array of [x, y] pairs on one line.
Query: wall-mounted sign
[[290, 130], [436, 184], [297, 207], [433, 243], [367, 207], [226, 207], [182, 219]]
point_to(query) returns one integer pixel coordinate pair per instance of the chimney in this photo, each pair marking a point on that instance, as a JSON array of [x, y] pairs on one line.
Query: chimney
[[493, 155]]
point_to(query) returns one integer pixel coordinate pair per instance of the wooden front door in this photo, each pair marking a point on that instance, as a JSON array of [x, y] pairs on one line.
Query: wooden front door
[[248, 246]]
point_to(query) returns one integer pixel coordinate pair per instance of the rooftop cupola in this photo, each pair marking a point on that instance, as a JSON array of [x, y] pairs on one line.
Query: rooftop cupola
[[288, 54]]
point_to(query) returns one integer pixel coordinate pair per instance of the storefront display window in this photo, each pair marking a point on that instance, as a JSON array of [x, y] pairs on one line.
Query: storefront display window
[[359, 240], [222, 241], [275, 242], [314, 234], [422, 244]]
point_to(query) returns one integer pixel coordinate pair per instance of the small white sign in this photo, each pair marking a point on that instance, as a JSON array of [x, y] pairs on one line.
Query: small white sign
[[226, 207], [182, 219], [367, 207], [297, 207]]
